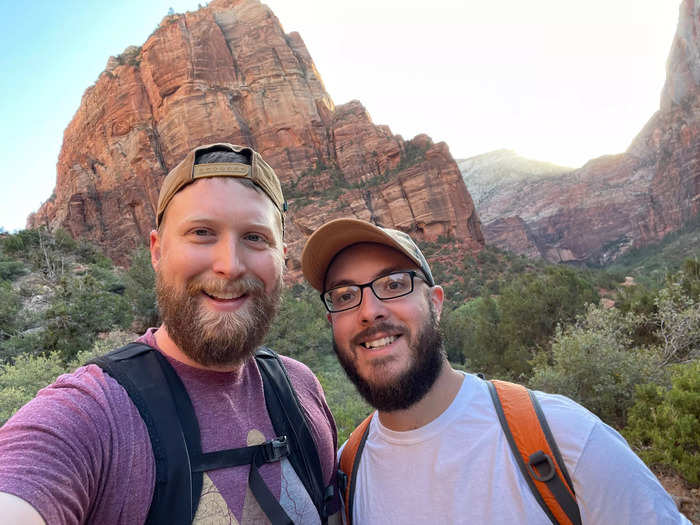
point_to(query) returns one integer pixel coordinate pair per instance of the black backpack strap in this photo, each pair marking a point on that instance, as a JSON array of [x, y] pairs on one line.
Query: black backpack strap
[[535, 451], [288, 419], [163, 404]]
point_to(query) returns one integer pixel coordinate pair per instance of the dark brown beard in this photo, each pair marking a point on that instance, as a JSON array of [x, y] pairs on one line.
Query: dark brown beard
[[412, 385], [217, 339]]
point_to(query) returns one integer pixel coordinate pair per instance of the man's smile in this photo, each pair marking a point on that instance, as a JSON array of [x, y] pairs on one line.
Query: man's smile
[[223, 296], [380, 342]]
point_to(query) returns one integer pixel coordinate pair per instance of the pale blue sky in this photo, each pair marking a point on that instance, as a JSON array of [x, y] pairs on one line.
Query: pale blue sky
[[556, 80]]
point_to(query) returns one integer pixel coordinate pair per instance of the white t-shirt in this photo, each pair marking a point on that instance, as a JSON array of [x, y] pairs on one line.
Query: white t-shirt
[[459, 469]]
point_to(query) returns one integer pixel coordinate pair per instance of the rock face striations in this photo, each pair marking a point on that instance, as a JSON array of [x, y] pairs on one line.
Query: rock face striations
[[229, 73], [612, 203]]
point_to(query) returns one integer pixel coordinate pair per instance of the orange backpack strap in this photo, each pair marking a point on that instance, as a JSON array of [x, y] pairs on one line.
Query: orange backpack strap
[[535, 450], [349, 460]]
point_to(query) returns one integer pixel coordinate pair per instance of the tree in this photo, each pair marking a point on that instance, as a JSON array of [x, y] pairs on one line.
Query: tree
[[140, 290], [82, 308], [301, 330], [534, 304], [474, 330], [677, 322]]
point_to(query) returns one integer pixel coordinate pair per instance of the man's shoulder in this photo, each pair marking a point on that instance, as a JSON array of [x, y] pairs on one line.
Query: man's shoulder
[[304, 382], [87, 390], [296, 368], [561, 408], [82, 427]]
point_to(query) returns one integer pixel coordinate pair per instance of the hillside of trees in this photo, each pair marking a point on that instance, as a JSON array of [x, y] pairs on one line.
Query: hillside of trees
[[627, 349]]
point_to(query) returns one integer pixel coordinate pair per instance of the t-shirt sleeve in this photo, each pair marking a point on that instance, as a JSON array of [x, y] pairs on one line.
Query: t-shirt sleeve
[[313, 402], [79, 452], [613, 485]]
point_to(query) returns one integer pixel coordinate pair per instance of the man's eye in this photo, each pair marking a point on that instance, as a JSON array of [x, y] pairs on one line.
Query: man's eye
[[393, 284], [343, 297], [201, 232], [255, 237]]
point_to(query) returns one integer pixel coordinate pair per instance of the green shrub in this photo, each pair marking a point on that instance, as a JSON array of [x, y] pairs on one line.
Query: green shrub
[[10, 304], [21, 242], [677, 325], [664, 424], [592, 362], [9, 270], [20, 381], [28, 343]]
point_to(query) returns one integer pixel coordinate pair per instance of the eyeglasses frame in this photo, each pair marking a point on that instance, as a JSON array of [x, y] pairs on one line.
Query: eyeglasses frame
[[412, 273]]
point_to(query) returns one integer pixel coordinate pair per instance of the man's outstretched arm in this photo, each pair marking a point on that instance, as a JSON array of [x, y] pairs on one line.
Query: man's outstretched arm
[[15, 510]]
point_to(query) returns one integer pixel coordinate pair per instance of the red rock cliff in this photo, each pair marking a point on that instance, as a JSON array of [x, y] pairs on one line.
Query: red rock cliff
[[229, 73], [613, 203]]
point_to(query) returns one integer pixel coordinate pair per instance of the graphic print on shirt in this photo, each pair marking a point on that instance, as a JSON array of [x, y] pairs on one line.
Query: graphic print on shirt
[[213, 509]]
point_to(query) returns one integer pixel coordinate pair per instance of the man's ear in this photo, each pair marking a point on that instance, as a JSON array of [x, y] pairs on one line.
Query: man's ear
[[437, 297], [155, 249]]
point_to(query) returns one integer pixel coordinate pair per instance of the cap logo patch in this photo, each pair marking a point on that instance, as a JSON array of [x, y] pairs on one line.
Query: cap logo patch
[[228, 169]]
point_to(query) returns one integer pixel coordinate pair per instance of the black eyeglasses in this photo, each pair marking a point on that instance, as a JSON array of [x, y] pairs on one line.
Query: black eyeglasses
[[390, 286]]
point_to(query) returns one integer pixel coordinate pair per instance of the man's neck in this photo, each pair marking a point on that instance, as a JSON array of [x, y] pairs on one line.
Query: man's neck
[[169, 348], [434, 403]]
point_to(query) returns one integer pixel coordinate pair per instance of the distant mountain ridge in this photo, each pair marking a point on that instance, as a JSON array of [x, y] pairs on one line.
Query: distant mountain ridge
[[491, 174], [613, 203]]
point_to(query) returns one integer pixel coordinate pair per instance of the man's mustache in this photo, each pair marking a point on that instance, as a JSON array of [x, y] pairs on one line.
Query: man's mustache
[[238, 287], [380, 327]]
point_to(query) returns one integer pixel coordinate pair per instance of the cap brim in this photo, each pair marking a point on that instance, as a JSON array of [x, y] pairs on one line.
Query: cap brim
[[333, 237]]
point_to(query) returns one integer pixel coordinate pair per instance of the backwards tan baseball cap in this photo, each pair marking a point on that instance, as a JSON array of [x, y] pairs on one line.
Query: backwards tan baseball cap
[[334, 236], [258, 171]]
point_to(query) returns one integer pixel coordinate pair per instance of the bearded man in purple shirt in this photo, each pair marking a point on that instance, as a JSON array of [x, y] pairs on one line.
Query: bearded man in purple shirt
[[80, 452]]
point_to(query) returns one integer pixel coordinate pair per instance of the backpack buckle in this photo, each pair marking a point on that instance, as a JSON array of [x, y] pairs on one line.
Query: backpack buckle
[[275, 449], [342, 481], [541, 461]]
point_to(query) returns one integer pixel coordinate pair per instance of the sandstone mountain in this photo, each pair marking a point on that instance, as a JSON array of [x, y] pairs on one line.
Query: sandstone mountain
[[229, 73], [612, 203]]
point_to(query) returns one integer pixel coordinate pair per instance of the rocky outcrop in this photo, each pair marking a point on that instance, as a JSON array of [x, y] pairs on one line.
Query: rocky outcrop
[[229, 73], [613, 203]]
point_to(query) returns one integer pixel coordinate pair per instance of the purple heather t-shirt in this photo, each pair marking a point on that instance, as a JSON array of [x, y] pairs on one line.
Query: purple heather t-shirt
[[80, 453]]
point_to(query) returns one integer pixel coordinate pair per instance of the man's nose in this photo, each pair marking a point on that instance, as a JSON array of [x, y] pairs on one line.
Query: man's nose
[[371, 308], [228, 261]]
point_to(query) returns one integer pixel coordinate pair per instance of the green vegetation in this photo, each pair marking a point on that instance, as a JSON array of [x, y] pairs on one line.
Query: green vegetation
[[593, 362], [57, 295], [664, 424], [635, 364]]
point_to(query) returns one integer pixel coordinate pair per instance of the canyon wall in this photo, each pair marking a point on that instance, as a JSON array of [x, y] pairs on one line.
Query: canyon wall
[[613, 203]]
